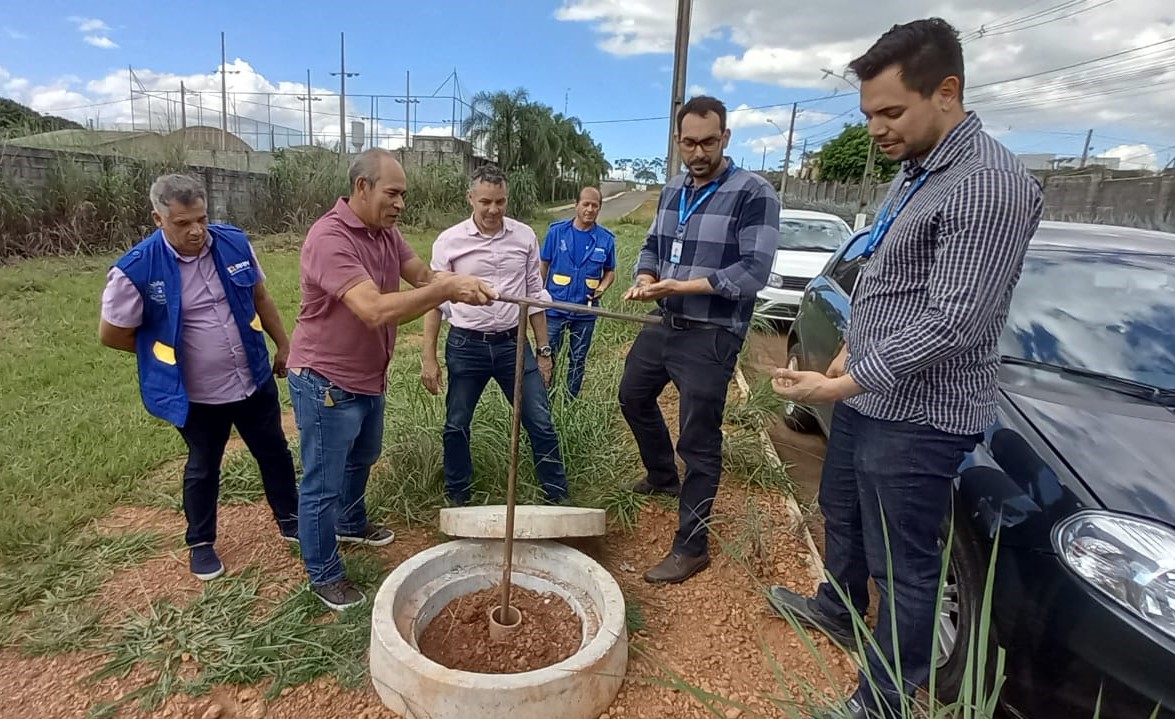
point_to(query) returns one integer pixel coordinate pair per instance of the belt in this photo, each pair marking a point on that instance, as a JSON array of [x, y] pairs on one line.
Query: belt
[[676, 322], [487, 337]]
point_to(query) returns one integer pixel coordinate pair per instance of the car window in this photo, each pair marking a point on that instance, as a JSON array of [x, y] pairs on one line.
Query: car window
[[849, 263], [812, 235]]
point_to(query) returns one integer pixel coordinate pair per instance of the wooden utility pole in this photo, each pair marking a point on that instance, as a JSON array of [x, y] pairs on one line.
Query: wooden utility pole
[[680, 53], [791, 134], [1085, 152]]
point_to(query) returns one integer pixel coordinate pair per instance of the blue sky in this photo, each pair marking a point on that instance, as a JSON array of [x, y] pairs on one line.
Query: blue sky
[[606, 58]]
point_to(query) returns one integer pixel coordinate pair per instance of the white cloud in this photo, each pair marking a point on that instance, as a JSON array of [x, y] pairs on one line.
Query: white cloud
[[100, 41], [87, 24], [1133, 157], [15, 34], [774, 143], [695, 90], [791, 48]]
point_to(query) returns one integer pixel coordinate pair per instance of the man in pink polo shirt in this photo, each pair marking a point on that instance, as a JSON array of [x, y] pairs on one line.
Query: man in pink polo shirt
[[190, 302], [352, 263], [483, 340]]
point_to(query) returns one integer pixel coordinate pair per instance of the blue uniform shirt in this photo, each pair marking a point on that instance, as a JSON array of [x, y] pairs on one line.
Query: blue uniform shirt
[[578, 260]]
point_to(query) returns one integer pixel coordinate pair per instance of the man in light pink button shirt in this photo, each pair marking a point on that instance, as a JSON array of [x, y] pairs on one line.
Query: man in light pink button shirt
[[482, 340], [223, 378]]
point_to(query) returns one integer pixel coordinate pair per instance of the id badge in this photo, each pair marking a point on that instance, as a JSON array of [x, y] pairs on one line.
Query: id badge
[[675, 252]]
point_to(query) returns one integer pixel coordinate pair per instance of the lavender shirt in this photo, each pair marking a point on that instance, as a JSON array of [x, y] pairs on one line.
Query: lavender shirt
[[507, 261], [216, 368]]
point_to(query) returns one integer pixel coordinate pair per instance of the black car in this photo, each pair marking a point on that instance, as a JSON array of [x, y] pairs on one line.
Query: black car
[[1076, 476]]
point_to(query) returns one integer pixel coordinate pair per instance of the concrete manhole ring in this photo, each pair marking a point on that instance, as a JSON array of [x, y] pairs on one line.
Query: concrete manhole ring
[[580, 687]]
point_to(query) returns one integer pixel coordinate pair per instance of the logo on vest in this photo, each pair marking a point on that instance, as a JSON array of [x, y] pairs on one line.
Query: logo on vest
[[242, 265], [157, 291]]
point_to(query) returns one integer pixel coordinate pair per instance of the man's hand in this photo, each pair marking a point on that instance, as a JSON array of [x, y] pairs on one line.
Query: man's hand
[[431, 376], [469, 290], [546, 365], [811, 388], [654, 291], [642, 281], [280, 357], [837, 367]]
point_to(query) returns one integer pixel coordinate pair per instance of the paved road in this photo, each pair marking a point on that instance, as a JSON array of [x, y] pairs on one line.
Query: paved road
[[613, 209]]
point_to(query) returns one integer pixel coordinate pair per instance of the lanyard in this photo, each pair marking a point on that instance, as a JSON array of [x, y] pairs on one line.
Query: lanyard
[[885, 219], [683, 214]]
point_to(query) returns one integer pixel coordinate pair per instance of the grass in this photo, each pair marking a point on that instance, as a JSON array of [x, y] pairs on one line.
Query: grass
[[77, 442]]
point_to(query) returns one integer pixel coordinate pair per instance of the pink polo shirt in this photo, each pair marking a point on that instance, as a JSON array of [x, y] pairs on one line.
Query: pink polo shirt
[[216, 368], [507, 261], [339, 253]]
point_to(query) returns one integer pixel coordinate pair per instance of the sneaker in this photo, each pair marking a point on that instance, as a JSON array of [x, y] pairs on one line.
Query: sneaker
[[676, 568], [339, 595], [808, 614], [645, 487], [204, 563], [373, 535], [289, 532]]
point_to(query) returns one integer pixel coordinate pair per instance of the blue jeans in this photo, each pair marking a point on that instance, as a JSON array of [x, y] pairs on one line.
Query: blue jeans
[[472, 362], [903, 472], [581, 340], [339, 444]]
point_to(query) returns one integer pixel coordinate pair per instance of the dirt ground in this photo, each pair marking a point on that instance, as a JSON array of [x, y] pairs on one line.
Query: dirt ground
[[715, 631]]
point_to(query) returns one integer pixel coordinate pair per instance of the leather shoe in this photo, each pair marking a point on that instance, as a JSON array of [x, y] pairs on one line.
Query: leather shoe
[[808, 614], [676, 568], [646, 487]]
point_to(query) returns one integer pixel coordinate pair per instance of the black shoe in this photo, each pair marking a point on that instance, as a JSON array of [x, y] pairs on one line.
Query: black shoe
[[373, 535], [204, 563], [564, 501], [676, 568], [339, 595], [805, 611], [289, 532], [645, 487]]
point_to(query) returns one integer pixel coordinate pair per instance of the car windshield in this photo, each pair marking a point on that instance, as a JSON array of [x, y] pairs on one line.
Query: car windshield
[[811, 234], [1111, 313]]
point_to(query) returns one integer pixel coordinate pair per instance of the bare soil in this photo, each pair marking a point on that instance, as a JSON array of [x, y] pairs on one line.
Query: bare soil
[[459, 637], [714, 633]]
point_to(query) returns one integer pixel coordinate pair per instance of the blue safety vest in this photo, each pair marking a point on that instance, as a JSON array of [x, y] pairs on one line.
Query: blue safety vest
[[572, 279], [154, 270]]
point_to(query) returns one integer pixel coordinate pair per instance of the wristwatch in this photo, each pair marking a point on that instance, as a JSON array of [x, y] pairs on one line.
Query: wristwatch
[[545, 351]]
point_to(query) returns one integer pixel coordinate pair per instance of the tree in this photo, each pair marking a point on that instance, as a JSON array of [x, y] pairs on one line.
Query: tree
[[843, 159], [17, 120], [520, 134]]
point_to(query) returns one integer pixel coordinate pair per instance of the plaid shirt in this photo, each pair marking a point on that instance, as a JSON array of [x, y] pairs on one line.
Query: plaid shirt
[[931, 303], [730, 240]]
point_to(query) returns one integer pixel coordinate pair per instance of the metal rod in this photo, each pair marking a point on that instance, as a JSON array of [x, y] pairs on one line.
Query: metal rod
[[519, 372], [584, 309]]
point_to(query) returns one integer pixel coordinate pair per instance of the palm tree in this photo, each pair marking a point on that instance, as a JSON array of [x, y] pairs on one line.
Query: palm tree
[[494, 124]]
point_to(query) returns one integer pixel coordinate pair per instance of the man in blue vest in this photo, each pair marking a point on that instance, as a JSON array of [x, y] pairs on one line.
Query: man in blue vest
[[578, 262], [190, 302]]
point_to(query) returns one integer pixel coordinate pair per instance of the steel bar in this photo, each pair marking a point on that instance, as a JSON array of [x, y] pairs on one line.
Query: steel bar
[[511, 482], [582, 309]]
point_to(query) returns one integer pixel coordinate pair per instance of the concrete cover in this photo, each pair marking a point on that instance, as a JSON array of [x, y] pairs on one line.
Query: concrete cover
[[530, 522]]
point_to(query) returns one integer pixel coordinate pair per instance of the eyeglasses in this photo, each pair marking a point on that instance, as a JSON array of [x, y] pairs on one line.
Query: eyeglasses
[[709, 144]]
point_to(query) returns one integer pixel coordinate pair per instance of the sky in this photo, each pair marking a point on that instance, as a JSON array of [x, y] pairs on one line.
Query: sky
[[1040, 73]]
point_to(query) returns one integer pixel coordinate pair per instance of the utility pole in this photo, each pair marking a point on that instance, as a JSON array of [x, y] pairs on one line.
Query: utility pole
[[791, 134], [408, 102], [566, 97], [343, 75], [183, 106], [680, 53], [1085, 152], [130, 83], [309, 98], [223, 94], [866, 185]]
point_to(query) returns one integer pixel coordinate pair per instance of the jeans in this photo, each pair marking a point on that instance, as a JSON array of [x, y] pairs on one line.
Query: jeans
[[472, 362], [580, 331], [700, 363], [258, 418], [902, 472], [339, 444]]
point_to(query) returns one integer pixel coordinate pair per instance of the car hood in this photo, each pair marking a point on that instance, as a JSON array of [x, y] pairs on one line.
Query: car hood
[[796, 263], [1122, 450]]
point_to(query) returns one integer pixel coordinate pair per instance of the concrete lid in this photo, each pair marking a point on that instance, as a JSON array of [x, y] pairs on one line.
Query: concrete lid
[[530, 522]]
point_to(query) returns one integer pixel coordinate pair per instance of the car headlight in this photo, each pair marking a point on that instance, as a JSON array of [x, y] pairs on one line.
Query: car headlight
[[1130, 560], [775, 281]]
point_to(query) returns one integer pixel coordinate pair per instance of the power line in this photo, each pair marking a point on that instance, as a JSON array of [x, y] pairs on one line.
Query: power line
[[1074, 65]]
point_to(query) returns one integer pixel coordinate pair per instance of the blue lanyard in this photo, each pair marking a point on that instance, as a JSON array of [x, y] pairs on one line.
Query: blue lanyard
[[683, 214], [885, 219]]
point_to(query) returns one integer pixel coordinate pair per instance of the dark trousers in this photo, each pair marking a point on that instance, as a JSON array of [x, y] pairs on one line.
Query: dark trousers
[[700, 363], [888, 482], [258, 420], [580, 333], [472, 362]]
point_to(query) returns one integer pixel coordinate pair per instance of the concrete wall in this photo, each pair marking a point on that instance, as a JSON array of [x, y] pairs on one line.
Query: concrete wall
[[1097, 196], [229, 191]]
